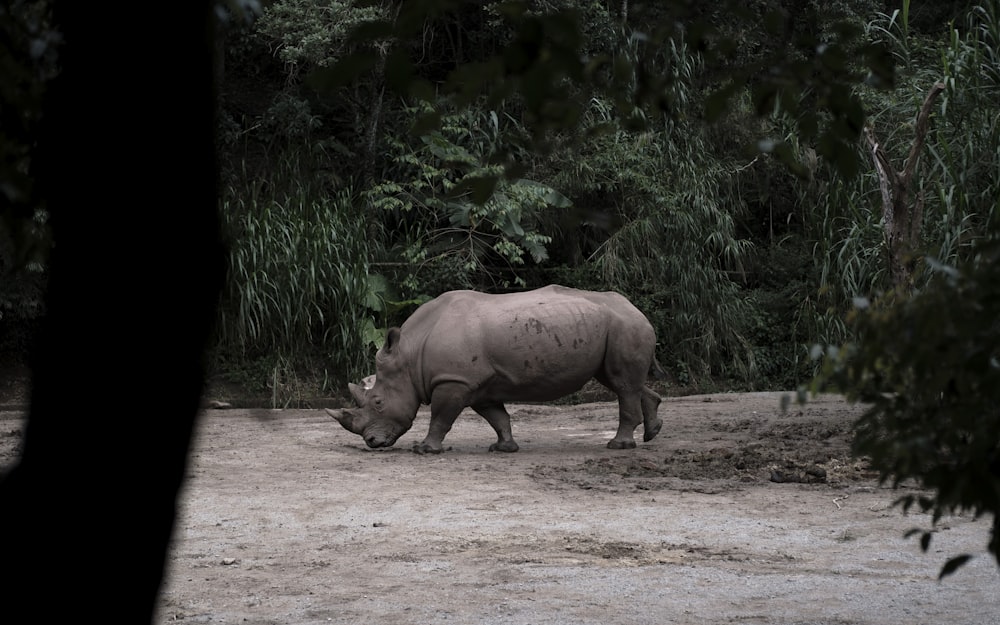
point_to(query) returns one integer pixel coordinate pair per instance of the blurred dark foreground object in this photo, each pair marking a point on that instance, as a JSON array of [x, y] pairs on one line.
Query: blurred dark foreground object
[[126, 164]]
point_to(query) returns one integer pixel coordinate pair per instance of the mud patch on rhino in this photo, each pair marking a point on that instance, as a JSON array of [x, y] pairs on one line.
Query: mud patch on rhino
[[743, 451]]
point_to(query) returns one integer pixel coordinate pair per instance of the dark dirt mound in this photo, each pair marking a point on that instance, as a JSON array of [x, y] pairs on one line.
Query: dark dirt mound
[[741, 451]]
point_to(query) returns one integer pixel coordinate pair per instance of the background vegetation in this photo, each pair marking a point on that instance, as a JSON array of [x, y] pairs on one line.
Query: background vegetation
[[706, 162]]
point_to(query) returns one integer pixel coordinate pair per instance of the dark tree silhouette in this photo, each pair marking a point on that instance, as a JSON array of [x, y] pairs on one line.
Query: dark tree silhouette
[[126, 164]]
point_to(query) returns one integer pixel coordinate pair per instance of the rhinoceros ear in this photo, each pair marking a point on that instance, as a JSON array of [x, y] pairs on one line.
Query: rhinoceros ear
[[391, 340]]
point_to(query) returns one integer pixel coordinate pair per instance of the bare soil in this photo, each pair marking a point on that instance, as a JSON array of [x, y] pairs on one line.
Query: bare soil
[[737, 513]]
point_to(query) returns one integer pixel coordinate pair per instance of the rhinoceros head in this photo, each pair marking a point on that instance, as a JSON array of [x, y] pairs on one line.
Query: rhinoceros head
[[387, 403]]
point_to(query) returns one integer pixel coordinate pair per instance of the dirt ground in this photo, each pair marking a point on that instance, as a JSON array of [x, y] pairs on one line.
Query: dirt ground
[[736, 513]]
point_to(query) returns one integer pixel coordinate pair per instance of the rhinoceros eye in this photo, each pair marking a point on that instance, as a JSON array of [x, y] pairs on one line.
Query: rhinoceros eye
[[377, 401]]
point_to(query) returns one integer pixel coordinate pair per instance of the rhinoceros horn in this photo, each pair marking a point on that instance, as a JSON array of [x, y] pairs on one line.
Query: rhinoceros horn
[[345, 418]]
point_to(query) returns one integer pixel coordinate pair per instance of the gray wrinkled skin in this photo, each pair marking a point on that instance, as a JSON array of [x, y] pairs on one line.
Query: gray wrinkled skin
[[469, 349]]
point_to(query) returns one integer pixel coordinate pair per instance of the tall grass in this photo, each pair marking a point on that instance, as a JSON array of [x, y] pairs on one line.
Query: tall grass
[[676, 249], [298, 280], [675, 253], [957, 184]]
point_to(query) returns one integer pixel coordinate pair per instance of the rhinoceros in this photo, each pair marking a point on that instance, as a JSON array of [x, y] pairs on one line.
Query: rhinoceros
[[466, 348]]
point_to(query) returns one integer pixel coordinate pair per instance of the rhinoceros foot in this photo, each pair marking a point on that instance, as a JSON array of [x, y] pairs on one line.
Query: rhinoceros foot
[[507, 446], [424, 448], [650, 432], [613, 444]]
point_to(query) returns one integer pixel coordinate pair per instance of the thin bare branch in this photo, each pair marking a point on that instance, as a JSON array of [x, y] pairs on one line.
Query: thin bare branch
[[920, 131], [887, 177]]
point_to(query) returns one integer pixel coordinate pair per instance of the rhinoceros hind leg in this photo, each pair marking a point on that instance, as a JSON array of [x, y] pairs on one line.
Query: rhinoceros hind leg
[[629, 416], [496, 415], [650, 432], [650, 421]]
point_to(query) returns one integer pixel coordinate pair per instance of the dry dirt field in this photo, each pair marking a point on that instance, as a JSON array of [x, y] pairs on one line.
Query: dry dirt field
[[736, 513]]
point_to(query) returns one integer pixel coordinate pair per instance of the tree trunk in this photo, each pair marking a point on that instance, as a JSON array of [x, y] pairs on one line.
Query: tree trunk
[[902, 219], [126, 159]]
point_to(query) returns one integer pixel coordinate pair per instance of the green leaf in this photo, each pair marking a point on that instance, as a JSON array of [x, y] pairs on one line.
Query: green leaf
[[372, 335], [479, 188], [482, 189], [459, 214], [376, 292], [953, 565], [426, 123], [446, 150], [536, 249], [512, 227], [550, 196], [556, 199]]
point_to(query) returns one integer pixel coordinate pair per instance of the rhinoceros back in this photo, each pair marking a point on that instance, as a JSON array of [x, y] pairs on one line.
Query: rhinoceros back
[[533, 346]]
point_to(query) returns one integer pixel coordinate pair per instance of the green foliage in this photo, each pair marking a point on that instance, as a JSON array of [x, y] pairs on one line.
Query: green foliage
[[672, 243], [803, 64], [850, 242], [606, 146], [466, 215], [926, 363], [928, 368], [297, 277], [780, 323], [290, 121], [384, 300], [959, 186], [541, 64], [308, 34], [966, 148], [955, 187]]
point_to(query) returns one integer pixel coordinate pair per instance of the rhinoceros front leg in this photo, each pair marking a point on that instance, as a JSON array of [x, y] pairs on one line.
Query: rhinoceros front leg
[[447, 402], [629, 416], [496, 415]]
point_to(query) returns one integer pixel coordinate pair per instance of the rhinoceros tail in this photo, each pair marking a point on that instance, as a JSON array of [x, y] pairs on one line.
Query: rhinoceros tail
[[656, 371]]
